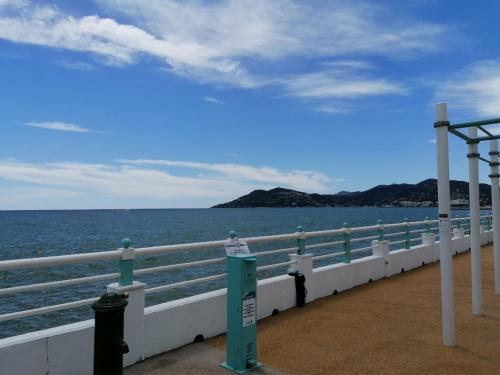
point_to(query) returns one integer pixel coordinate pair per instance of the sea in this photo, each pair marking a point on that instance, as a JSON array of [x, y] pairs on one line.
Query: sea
[[27, 234]]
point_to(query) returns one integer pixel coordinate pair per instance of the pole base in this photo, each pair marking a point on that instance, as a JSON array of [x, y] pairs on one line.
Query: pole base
[[240, 371]]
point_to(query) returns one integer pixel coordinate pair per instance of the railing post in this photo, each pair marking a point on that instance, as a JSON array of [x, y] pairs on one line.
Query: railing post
[[455, 231], [127, 263], [427, 225], [380, 230], [303, 263], [301, 241], [134, 314], [346, 237], [407, 234]]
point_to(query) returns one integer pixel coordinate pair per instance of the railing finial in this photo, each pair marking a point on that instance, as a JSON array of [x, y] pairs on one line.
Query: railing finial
[[126, 243]]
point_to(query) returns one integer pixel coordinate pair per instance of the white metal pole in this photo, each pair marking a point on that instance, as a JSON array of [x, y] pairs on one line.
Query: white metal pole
[[446, 260], [475, 217], [495, 208]]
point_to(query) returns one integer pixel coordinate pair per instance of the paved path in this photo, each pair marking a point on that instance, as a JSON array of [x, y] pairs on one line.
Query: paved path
[[196, 359], [392, 326]]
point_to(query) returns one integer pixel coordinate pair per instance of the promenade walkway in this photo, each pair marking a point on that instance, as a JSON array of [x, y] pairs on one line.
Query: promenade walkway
[[392, 326]]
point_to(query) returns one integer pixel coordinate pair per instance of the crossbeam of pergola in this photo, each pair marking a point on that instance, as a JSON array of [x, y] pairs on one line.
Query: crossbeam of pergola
[[443, 127], [452, 128]]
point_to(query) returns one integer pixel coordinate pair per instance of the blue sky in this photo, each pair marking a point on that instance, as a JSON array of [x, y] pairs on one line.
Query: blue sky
[[131, 104]]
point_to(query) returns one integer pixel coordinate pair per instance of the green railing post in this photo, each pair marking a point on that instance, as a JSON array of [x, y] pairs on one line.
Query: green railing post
[[127, 263], [427, 225], [346, 237], [380, 230], [459, 224], [301, 241], [407, 234]]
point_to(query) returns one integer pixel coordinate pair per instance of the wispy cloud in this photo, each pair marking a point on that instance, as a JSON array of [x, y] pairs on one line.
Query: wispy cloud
[[476, 88], [432, 141], [333, 108], [76, 65], [330, 84], [211, 99], [146, 180], [350, 64], [58, 126], [226, 37]]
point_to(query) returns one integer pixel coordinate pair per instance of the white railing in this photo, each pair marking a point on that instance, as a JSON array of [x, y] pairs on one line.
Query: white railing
[[395, 233]]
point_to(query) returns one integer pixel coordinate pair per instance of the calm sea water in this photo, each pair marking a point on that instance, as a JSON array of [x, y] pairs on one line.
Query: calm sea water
[[26, 234]]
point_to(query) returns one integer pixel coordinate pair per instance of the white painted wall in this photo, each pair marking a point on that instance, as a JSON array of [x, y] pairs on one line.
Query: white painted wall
[[69, 349]]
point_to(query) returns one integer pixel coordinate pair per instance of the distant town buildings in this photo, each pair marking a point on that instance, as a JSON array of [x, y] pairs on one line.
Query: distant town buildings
[[459, 202]]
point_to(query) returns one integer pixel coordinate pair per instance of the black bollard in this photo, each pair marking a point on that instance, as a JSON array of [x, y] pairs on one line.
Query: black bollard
[[300, 288], [109, 346]]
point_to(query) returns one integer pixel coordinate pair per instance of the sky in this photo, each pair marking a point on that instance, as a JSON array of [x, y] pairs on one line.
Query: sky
[[183, 104]]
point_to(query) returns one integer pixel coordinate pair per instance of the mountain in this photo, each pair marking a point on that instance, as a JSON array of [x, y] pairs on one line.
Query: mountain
[[423, 194]]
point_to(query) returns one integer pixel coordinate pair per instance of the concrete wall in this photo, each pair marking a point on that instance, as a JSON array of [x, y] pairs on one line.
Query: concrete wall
[[69, 349]]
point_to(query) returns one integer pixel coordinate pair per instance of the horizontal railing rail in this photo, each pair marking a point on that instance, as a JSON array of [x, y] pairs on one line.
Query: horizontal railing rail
[[406, 232]]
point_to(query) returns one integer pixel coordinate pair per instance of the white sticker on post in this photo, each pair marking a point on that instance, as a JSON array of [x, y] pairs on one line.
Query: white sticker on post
[[236, 246], [249, 311]]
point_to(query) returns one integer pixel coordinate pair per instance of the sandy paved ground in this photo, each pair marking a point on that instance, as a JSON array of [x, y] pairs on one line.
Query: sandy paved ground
[[392, 326], [195, 359]]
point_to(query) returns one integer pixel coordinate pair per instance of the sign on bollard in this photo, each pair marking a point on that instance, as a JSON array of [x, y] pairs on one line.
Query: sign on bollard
[[236, 246], [241, 312]]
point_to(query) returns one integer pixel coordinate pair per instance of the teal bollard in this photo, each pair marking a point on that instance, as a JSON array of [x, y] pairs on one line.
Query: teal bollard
[[241, 352]]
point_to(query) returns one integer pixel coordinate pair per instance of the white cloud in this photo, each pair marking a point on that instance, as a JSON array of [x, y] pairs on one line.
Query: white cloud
[[76, 65], [330, 84], [13, 3], [58, 126], [475, 88], [68, 184], [296, 179], [218, 42], [432, 141], [211, 99], [333, 108], [350, 64]]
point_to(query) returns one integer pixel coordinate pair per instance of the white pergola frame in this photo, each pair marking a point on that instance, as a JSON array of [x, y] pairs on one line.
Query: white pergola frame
[[443, 126]]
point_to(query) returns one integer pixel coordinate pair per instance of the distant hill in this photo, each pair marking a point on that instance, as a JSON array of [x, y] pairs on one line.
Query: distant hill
[[423, 194]]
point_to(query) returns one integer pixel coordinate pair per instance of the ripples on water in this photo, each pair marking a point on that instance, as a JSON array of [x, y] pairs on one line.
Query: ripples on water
[[26, 234]]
